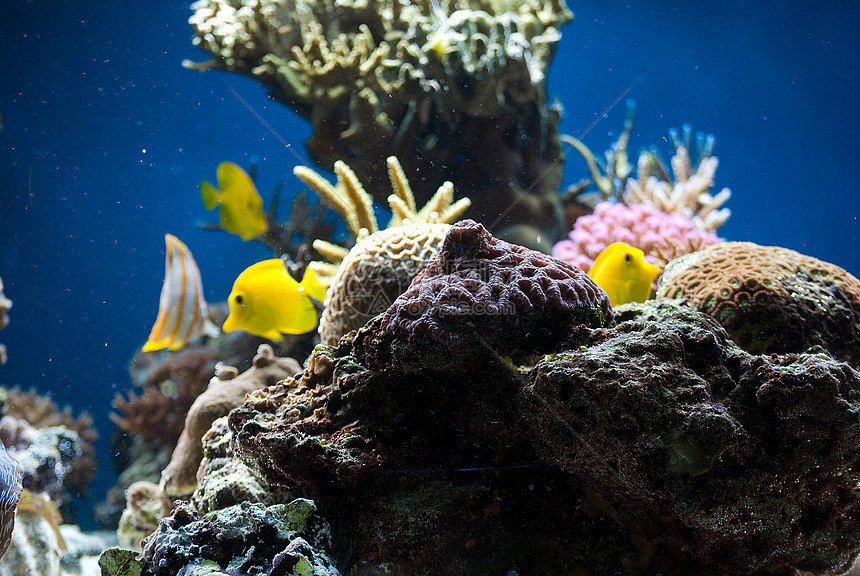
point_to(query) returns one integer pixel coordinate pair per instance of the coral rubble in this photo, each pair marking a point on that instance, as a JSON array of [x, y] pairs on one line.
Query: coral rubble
[[455, 87], [246, 539], [771, 299]]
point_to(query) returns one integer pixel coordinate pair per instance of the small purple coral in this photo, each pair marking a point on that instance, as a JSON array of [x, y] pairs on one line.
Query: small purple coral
[[482, 296]]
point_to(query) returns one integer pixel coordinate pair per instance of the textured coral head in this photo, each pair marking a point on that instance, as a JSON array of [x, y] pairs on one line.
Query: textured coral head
[[482, 297]]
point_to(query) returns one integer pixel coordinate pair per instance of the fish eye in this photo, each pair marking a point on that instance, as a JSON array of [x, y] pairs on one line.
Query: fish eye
[[627, 258], [238, 299]]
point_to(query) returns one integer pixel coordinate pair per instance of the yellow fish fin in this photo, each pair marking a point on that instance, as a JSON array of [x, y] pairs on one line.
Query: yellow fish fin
[[304, 320], [210, 195], [312, 285], [272, 335], [153, 345]]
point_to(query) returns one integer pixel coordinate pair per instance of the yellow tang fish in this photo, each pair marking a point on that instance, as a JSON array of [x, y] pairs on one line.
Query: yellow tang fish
[[624, 273], [241, 205], [268, 302], [181, 309]]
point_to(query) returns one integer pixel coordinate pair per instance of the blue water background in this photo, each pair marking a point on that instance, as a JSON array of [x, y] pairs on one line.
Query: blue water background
[[106, 138]]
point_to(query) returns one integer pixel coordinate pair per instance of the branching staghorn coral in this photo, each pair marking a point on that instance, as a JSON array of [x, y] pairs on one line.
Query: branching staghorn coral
[[365, 280], [688, 192], [460, 82], [350, 200]]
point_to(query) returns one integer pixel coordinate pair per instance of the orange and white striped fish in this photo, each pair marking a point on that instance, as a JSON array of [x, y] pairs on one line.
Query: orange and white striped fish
[[182, 308]]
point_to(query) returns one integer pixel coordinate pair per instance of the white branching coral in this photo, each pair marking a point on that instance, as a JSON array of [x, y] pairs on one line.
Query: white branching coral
[[688, 190]]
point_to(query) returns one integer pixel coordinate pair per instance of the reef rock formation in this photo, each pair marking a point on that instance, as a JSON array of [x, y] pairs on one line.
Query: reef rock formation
[[714, 461], [224, 393], [648, 444], [287, 539], [456, 89], [770, 299]]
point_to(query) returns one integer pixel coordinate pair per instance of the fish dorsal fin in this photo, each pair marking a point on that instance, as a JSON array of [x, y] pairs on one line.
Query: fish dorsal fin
[[210, 195]]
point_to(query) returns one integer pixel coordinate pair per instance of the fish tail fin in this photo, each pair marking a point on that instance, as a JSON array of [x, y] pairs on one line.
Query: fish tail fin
[[209, 194], [312, 285]]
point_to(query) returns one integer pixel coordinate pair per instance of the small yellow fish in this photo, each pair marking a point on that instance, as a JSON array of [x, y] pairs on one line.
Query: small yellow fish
[[241, 205], [181, 308], [268, 302], [624, 273]]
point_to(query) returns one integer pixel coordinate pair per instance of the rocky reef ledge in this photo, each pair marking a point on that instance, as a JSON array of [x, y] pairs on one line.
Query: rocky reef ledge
[[642, 443]]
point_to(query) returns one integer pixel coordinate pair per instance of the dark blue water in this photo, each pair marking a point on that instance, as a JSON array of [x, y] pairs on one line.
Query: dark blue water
[[106, 137]]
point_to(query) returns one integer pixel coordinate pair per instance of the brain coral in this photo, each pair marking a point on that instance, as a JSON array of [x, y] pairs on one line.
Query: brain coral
[[481, 294], [663, 236], [771, 299], [375, 272]]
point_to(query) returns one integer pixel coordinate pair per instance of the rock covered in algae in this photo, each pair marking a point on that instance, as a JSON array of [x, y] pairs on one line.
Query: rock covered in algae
[[225, 393], [770, 299], [713, 459], [242, 540], [652, 446]]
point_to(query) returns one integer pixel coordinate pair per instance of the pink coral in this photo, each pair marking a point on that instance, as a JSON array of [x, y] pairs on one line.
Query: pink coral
[[661, 236]]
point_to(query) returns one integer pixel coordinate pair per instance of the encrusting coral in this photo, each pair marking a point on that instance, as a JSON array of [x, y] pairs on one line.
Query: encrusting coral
[[455, 88], [367, 278], [480, 292], [770, 299], [225, 392]]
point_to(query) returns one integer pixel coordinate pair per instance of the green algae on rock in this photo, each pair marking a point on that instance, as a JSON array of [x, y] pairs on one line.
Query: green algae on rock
[[708, 455], [241, 540]]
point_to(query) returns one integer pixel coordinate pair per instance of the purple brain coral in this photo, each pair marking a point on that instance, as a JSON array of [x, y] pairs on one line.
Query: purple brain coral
[[481, 294], [663, 236]]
